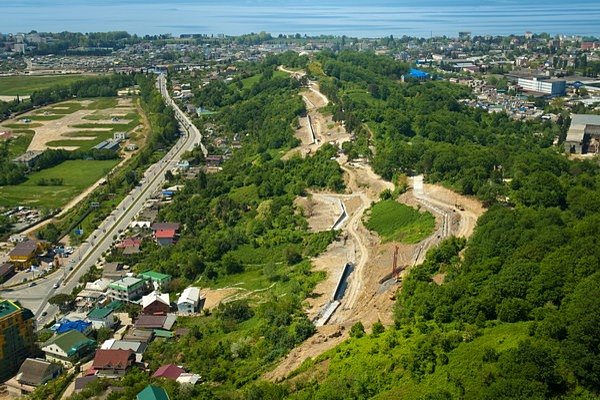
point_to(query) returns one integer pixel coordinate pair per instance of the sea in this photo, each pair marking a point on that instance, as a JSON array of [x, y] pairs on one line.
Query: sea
[[354, 18]]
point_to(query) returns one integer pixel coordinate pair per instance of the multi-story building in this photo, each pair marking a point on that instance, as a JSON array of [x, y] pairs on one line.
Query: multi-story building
[[128, 289], [544, 85], [16, 337]]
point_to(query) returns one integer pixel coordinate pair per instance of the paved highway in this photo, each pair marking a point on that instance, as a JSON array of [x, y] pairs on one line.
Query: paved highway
[[87, 254]]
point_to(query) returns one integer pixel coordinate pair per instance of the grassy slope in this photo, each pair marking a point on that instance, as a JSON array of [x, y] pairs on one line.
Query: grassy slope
[[378, 362], [253, 80], [24, 85], [395, 221], [77, 175]]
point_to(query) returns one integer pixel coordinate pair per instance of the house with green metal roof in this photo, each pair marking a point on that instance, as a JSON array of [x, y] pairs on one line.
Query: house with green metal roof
[[152, 392], [160, 280], [68, 348], [102, 317]]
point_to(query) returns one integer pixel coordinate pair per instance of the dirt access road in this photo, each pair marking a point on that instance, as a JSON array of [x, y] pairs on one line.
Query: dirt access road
[[366, 299]]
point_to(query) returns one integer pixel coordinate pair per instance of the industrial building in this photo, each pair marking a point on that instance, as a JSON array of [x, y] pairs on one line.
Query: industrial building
[[543, 85], [583, 135], [16, 337]]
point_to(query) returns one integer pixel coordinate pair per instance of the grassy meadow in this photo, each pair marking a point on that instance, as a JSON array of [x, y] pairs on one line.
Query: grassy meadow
[[394, 221]]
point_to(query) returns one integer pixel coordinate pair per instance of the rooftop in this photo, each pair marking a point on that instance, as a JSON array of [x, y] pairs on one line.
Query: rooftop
[[118, 359], [7, 308], [70, 342], [155, 276], [125, 282], [100, 313], [170, 371], [152, 392], [580, 125]]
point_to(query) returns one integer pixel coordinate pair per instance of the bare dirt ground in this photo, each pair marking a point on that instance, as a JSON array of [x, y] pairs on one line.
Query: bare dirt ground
[[367, 299], [216, 296], [324, 128]]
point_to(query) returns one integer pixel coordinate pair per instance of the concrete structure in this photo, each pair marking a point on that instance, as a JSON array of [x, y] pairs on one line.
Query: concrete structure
[[128, 289], [156, 304], [68, 348], [583, 135], [102, 317], [16, 337], [160, 281], [33, 373], [543, 84], [28, 158], [190, 301]]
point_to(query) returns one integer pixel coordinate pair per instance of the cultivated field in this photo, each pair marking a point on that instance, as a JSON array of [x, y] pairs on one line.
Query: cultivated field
[[74, 125], [24, 85], [76, 176]]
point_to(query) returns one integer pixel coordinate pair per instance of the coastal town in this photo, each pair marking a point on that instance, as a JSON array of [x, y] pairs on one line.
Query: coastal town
[[85, 289]]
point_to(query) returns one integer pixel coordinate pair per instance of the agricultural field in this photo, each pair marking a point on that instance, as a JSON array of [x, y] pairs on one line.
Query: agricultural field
[[76, 176], [394, 221], [24, 85], [73, 125]]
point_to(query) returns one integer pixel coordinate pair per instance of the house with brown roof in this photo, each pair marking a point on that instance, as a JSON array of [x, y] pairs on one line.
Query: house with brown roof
[[7, 270], [156, 322], [33, 373], [112, 363], [24, 253], [113, 271], [156, 303]]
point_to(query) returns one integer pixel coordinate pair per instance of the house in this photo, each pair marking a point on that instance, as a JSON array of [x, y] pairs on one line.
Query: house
[[93, 294], [101, 317], [190, 301], [159, 280], [138, 335], [137, 347], [24, 253], [34, 372], [156, 304], [7, 270], [79, 326], [152, 392], [155, 322], [128, 289], [67, 348], [113, 271], [165, 237], [112, 363], [118, 136], [169, 371], [183, 165], [165, 233], [129, 242], [214, 161]]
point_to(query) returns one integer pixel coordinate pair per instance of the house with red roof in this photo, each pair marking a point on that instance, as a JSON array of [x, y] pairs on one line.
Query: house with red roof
[[165, 233], [169, 371]]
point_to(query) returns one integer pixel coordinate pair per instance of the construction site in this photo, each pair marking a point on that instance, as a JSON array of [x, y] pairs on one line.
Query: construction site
[[362, 273]]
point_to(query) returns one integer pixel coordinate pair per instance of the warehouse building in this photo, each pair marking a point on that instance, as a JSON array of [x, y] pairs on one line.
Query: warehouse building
[[583, 135]]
